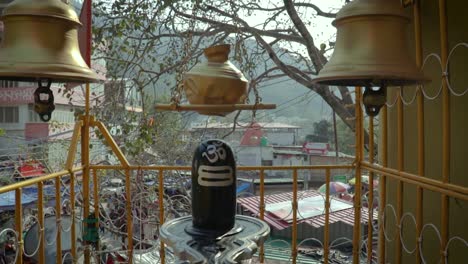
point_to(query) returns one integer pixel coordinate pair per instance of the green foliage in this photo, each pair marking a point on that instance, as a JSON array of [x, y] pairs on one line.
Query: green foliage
[[346, 138], [323, 132]]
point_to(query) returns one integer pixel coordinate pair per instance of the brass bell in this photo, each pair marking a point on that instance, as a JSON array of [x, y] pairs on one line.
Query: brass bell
[[216, 81], [40, 42], [372, 47]]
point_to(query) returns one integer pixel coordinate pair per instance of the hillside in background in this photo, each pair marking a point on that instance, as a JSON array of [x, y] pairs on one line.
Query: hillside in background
[[296, 104]]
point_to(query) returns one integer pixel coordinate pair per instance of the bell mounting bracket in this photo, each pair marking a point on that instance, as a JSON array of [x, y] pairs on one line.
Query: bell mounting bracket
[[373, 99], [44, 107]]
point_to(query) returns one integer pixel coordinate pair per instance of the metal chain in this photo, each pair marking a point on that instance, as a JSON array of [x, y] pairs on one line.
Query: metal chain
[[241, 54], [237, 41], [177, 90]]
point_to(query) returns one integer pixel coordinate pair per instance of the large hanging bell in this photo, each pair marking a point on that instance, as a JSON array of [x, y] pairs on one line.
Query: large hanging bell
[[372, 47], [216, 81], [40, 41]]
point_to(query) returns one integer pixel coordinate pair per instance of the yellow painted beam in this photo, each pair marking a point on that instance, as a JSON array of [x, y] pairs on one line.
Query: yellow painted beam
[[19, 225], [73, 145], [58, 217], [294, 219], [357, 195], [326, 239], [110, 140], [446, 140], [29, 182], [383, 185], [162, 252]]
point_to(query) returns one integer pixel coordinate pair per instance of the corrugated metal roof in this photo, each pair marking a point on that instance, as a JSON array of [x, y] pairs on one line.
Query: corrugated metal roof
[[346, 215]]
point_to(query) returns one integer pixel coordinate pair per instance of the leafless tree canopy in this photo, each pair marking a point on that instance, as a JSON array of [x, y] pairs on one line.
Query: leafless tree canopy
[[155, 41]]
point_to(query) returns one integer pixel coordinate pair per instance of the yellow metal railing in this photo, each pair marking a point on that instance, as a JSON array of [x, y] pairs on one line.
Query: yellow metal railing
[[428, 184], [39, 181], [442, 187], [261, 169], [17, 187]]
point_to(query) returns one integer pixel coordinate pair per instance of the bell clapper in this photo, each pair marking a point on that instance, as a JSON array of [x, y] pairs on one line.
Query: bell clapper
[[44, 100], [374, 98]]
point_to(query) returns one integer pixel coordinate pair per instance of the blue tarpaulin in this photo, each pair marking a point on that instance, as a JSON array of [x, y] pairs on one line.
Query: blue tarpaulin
[[30, 193], [49, 191], [243, 187], [7, 200]]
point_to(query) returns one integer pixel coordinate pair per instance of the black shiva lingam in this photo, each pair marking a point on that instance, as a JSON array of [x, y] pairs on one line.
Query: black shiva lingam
[[214, 233]]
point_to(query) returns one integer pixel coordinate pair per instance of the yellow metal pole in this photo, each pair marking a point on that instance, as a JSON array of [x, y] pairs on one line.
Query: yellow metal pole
[[96, 203], [73, 222], [262, 210], [383, 184], [109, 140], [126, 165], [397, 175], [21, 184], [326, 239], [162, 252], [85, 164], [439, 186], [294, 219], [96, 193], [357, 195], [370, 206], [444, 222], [40, 219], [400, 161], [420, 118], [19, 226], [58, 217], [73, 145], [85, 140], [128, 198], [69, 165]]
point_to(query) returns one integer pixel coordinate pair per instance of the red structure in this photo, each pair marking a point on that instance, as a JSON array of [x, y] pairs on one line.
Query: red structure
[[252, 135]]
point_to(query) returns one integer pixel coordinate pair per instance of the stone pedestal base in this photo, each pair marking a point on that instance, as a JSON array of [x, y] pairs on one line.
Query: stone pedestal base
[[240, 243]]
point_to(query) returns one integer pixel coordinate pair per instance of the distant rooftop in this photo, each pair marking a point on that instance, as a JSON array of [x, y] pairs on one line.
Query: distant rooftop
[[311, 208], [300, 152]]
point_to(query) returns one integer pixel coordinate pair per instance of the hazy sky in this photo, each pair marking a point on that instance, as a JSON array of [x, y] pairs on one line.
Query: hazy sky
[[320, 27]]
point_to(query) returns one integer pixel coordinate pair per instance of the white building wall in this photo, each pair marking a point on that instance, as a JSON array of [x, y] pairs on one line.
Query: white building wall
[[252, 155], [280, 138], [22, 118], [294, 160]]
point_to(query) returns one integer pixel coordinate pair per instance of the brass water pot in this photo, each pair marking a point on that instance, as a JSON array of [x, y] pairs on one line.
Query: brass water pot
[[216, 81]]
